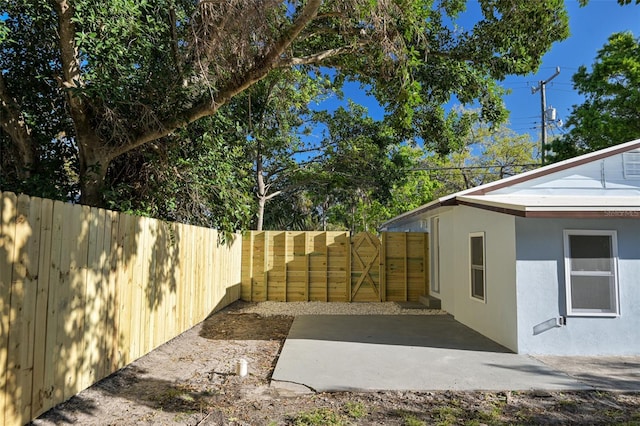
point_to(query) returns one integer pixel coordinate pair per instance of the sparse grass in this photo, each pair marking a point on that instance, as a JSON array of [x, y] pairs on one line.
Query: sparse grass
[[182, 399], [409, 418], [329, 417], [447, 415], [490, 417], [523, 415], [356, 410], [412, 420], [318, 417], [565, 404], [493, 415]]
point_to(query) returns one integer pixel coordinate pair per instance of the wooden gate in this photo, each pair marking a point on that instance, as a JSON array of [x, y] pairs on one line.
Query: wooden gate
[[365, 268], [290, 266]]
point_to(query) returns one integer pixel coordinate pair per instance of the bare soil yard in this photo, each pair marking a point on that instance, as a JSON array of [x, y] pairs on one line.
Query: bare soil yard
[[191, 380]]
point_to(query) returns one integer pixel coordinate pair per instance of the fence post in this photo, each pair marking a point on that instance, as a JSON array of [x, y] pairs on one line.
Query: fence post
[[383, 267], [284, 263], [406, 266], [425, 267], [265, 266], [347, 268]]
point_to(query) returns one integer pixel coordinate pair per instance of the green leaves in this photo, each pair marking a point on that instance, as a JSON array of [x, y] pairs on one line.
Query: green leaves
[[610, 114], [150, 69], [488, 154]]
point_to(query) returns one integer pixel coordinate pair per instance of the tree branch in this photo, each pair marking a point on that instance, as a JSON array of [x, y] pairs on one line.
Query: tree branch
[[174, 38], [272, 195], [209, 106], [319, 56], [14, 124], [72, 78]]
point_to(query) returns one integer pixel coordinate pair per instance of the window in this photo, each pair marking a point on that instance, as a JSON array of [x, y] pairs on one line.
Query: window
[[590, 259], [477, 260]]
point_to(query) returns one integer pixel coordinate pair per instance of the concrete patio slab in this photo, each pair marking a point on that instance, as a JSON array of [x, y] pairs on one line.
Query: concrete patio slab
[[405, 352], [619, 373]]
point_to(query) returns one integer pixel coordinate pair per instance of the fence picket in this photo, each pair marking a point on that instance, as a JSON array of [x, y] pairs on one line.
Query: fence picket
[[40, 319], [7, 234], [12, 408]]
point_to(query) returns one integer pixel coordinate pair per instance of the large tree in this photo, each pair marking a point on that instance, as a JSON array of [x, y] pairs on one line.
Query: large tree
[[610, 113], [195, 177], [359, 163], [273, 116], [104, 78], [488, 155]]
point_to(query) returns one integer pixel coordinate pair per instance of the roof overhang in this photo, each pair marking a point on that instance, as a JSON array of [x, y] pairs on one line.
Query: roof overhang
[[556, 206], [596, 209]]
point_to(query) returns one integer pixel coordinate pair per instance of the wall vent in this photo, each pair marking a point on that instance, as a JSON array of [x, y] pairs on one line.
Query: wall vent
[[631, 165]]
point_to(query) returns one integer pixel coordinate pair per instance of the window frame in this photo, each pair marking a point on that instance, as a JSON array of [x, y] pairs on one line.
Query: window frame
[[613, 274], [473, 267]]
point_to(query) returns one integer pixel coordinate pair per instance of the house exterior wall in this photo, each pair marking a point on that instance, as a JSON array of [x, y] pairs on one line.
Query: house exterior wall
[[496, 316], [448, 262], [541, 291]]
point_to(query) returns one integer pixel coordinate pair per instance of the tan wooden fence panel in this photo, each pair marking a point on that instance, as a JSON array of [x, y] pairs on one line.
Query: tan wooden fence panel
[[85, 291], [405, 268], [289, 266], [294, 266]]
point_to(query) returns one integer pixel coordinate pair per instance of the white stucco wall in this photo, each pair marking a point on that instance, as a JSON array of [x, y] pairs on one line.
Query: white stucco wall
[[496, 317], [541, 291], [447, 262]]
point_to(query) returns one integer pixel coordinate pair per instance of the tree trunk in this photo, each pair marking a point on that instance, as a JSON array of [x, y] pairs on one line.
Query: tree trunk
[[261, 202], [325, 207], [261, 190], [93, 170]]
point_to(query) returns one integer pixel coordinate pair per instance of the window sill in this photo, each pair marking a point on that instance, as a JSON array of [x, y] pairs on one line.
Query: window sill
[[592, 315]]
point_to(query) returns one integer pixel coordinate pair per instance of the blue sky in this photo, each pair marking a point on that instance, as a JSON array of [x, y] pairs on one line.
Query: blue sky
[[590, 27]]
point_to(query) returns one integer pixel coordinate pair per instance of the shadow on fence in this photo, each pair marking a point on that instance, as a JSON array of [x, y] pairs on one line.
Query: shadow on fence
[[85, 291], [288, 266]]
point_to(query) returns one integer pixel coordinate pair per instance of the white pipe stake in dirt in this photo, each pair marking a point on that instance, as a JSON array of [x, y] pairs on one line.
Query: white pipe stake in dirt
[[241, 368]]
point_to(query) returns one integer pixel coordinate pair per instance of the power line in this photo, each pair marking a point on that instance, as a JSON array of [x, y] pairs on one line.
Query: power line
[[491, 166]]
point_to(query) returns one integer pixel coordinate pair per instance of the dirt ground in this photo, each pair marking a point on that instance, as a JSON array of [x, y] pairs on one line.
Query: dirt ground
[[192, 380]]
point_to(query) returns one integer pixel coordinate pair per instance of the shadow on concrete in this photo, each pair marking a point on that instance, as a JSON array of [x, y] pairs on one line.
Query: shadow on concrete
[[603, 373], [434, 331], [405, 353]]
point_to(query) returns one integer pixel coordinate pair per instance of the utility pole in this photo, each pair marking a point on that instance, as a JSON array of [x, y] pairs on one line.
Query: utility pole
[[543, 107]]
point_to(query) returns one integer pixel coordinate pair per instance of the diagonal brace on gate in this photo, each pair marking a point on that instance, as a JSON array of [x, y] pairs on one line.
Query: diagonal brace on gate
[[366, 267]]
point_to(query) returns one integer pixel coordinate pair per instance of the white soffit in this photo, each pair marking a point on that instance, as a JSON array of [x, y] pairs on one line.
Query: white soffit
[[555, 203]]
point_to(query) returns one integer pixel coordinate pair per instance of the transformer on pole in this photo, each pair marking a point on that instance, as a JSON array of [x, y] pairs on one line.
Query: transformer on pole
[[543, 108]]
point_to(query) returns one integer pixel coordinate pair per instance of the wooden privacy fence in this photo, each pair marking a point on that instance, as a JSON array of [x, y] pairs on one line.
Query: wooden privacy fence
[[293, 266], [85, 291]]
